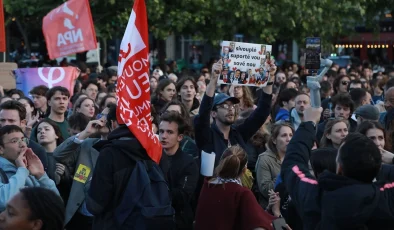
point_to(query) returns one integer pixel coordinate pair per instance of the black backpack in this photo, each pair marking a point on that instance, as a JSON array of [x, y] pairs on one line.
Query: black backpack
[[146, 203]]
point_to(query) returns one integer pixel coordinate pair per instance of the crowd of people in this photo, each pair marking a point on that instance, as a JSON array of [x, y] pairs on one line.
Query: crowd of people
[[66, 162]]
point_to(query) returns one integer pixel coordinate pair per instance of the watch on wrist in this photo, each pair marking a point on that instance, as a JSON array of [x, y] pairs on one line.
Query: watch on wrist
[[270, 83]]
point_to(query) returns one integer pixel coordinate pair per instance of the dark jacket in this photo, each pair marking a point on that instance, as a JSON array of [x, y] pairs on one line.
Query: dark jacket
[[182, 179], [321, 127], [210, 139], [334, 201], [111, 174]]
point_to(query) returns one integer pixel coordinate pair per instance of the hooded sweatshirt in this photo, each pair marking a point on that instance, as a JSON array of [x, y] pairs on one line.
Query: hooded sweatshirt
[[20, 178], [114, 166]]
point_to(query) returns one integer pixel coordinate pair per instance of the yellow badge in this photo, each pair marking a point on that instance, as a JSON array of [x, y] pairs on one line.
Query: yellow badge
[[82, 173]]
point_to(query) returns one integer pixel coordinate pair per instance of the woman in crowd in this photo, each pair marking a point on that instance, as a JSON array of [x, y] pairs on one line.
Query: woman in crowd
[[33, 208], [334, 132], [165, 92], [107, 100], [85, 106], [49, 137], [32, 115], [269, 163], [153, 84], [244, 95], [187, 91], [375, 131], [224, 203]]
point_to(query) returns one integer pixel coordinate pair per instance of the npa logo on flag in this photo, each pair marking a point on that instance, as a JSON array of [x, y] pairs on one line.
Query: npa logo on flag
[[28, 78], [69, 29], [133, 90], [2, 28]]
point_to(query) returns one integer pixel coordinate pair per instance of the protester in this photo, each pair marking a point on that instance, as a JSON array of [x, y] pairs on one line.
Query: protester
[[78, 153], [286, 102], [106, 101], [33, 208], [243, 94], [268, 163], [366, 113], [14, 113], [241, 210], [21, 167], [58, 99], [187, 91], [164, 93], [221, 134], [91, 88], [86, 106], [187, 144], [354, 206], [40, 101], [302, 102], [32, 116], [183, 171], [335, 132], [343, 108]]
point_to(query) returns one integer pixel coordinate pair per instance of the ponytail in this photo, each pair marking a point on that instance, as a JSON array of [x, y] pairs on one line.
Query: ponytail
[[232, 163]]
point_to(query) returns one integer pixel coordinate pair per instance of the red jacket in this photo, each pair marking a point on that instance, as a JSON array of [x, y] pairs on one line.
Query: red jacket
[[230, 207]]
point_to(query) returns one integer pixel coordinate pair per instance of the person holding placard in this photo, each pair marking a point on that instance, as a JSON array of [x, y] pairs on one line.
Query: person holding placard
[[221, 134]]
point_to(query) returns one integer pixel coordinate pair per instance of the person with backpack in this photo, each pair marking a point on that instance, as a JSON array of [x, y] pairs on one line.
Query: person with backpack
[[127, 189], [183, 171], [19, 166], [77, 154]]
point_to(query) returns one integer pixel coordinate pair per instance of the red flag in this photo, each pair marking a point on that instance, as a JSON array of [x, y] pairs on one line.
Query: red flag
[[69, 29], [132, 90], [2, 29]]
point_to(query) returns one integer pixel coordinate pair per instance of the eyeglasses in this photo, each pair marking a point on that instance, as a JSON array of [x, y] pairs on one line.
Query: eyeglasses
[[344, 82], [18, 141], [226, 106]]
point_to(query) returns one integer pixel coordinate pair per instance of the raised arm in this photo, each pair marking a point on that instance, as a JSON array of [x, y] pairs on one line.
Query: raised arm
[[202, 119], [299, 182], [260, 114]]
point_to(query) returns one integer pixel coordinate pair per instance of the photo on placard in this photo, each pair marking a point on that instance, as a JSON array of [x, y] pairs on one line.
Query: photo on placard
[[246, 64], [225, 51], [232, 47], [263, 49]]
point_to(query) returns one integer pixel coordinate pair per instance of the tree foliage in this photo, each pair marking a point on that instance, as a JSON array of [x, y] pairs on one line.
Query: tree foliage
[[214, 20]]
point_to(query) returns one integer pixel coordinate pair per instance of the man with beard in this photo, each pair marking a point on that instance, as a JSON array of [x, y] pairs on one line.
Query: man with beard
[[58, 98], [222, 134], [302, 102]]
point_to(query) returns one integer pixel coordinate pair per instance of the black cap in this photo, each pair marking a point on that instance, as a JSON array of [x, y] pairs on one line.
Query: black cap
[[220, 98], [368, 112]]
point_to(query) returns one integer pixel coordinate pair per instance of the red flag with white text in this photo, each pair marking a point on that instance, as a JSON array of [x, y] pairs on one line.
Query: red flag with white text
[[2, 28], [133, 89], [69, 29]]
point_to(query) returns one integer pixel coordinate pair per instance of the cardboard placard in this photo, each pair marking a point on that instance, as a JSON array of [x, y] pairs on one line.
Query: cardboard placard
[[7, 79], [245, 63]]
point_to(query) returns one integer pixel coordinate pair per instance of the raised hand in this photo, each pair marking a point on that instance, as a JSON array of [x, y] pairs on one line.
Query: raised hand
[[21, 161], [387, 157], [60, 168], [34, 164], [92, 128]]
